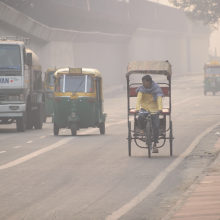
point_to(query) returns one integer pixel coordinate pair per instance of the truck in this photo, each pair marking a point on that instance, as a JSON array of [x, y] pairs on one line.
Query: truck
[[21, 86]]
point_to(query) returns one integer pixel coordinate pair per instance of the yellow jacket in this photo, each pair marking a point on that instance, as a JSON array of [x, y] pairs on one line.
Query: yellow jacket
[[146, 101]]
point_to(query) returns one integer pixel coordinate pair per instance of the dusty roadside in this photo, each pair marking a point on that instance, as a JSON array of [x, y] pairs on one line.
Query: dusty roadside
[[201, 177]]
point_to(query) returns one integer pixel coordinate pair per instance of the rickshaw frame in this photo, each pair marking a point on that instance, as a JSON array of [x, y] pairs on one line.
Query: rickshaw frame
[[149, 67]]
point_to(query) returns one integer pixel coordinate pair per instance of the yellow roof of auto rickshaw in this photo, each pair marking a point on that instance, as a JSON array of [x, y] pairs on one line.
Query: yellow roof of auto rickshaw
[[84, 71], [53, 69], [149, 67], [213, 63]]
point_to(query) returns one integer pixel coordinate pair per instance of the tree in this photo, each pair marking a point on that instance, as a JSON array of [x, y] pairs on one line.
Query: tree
[[207, 11]]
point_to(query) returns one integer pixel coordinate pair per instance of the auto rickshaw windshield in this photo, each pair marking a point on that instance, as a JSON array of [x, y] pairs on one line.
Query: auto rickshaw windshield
[[213, 70], [83, 83]]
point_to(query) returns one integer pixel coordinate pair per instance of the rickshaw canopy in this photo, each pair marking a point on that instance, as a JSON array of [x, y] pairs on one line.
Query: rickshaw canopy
[[83, 71], [149, 67]]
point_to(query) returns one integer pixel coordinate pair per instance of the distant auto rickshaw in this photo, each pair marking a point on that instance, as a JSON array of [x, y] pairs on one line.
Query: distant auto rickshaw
[[48, 92], [212, 77], [145, 141], [78, 100]]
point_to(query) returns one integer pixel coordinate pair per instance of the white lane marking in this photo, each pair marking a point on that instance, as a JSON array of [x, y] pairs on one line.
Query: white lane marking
[[43, 137], [185, 100], [1, 152], [51, 147], [17, 146], [159, 179], [29, 142]]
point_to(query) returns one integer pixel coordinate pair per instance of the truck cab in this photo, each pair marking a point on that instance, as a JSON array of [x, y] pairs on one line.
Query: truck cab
[[21, 88]]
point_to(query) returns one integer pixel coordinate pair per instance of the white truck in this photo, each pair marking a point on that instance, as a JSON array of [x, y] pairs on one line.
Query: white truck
[[21, 87]]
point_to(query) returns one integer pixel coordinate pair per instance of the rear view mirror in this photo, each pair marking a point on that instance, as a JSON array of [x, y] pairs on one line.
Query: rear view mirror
[[29, 59]]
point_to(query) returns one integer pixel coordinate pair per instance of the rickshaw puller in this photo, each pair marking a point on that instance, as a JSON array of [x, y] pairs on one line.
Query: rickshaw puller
[[149, 98]]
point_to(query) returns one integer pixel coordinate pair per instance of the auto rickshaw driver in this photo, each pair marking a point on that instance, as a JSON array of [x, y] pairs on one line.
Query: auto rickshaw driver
[[149, 99]]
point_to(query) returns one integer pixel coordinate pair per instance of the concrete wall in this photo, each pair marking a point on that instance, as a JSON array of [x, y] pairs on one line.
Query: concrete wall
[[109, 53], [175, 47]]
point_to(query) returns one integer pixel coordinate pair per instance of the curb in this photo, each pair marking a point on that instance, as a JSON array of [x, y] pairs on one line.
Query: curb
[[181, 202]]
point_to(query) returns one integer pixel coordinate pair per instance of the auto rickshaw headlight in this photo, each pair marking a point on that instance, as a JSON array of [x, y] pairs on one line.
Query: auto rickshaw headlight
[[73, 114]]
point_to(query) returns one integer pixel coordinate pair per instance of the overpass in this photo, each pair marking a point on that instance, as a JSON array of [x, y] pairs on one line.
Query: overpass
[[106, 35]]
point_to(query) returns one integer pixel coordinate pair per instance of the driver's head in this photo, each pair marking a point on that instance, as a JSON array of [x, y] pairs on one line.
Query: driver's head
[[147, 81]]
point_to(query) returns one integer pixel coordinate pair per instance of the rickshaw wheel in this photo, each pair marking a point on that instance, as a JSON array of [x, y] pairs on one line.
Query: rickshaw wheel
[[213, 93], [102, 128], [73, 129], [205, 92], [171, 138], [55, 129], [129, 138], [148, 139]]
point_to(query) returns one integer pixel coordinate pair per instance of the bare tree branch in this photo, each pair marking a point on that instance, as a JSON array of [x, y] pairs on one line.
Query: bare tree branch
[[207, 11]]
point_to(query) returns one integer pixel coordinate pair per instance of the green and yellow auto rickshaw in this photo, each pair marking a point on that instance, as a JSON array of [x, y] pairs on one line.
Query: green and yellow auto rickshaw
[[212, 77], [78, 100], [48, 92]]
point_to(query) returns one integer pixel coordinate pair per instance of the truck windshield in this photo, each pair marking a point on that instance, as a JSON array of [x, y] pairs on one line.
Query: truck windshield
[[75, 84], [50, 80], [213, 70], [10, 58]]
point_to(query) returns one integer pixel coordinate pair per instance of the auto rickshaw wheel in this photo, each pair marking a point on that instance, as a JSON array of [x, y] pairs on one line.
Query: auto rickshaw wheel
[[102, 128], [205, 92], [171, 138], [73, 129], [55, 129], [148, 138], [213, 93]]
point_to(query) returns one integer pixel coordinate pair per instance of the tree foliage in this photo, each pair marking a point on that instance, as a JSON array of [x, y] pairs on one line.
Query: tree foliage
[[207, 11]]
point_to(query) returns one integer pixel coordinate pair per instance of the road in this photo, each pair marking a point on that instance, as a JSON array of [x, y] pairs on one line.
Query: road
[[91, 176]]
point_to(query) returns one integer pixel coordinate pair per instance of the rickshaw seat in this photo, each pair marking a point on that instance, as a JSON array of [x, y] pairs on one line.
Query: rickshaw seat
[[133, 93]]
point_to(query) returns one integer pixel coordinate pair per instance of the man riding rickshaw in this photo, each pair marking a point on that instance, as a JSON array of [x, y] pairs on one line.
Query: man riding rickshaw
[[150, 123]]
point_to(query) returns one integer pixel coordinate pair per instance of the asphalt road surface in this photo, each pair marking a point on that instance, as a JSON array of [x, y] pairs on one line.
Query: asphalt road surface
[[91, 176]]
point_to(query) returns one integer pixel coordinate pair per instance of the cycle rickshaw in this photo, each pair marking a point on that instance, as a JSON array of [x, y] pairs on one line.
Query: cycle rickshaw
[[151, 68]]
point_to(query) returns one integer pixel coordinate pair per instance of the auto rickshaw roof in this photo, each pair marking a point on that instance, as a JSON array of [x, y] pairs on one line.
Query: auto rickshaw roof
[[85, 71], [213, 64], [149, 67], [50, 69]]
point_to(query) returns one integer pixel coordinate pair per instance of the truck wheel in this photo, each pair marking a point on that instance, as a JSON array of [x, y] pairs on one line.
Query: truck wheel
[[55, 129], [73, 129], [102, 128], [21, 124], [29, 120], [44, 114], [38, 119]]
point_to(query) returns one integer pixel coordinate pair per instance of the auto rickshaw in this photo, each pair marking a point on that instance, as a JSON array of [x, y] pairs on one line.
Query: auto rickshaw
[[212, 77], [165, 126], [48, 92], [78, 100]]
